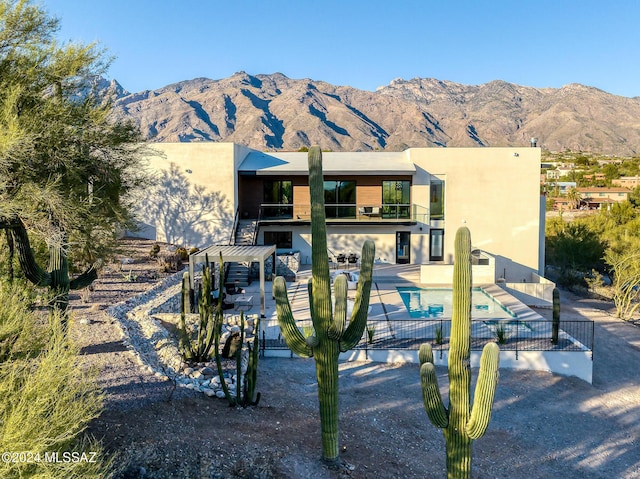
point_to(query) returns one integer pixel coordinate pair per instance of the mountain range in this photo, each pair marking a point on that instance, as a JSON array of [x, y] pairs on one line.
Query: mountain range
[[274, 112]]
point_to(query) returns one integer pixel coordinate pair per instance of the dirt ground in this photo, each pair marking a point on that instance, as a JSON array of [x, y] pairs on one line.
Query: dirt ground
[[543, 425]]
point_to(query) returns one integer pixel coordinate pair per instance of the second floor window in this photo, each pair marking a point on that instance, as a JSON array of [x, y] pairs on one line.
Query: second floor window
[[340, 199], [396, 199], [436, 199], [276, 193]]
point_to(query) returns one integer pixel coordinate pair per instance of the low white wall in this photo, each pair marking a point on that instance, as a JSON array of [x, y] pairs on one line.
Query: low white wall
[[537, 293], [565, 363]]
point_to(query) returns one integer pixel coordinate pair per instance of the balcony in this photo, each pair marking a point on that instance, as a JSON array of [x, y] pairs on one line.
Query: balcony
[[345, 213]]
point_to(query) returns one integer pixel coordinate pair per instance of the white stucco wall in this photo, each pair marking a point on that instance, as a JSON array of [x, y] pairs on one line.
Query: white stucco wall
[[191, 220], [495, 194]]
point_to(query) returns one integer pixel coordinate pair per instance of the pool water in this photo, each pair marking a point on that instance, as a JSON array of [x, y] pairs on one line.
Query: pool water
[[436, 303]]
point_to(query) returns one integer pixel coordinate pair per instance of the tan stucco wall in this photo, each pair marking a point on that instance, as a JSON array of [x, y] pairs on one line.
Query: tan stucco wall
[[495, 194]]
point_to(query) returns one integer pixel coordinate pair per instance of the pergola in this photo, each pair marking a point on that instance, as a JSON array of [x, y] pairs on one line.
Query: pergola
[[235, 254]]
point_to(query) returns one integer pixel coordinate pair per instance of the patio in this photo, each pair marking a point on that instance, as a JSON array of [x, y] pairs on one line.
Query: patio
[[397, 336]]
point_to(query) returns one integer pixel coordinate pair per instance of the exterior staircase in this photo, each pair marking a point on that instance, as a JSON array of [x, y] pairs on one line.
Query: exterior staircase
[[243, 236]]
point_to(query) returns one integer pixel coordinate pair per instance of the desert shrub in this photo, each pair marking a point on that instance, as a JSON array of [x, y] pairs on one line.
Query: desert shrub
[[194, 250], [46, 402], [21, 335], [155, 249], [182, 253]]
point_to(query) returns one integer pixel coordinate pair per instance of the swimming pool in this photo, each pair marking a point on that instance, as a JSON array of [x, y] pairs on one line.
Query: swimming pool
[[436, 303]]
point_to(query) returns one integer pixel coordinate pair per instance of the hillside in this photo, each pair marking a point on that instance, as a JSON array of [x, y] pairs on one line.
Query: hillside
[[276, 112]]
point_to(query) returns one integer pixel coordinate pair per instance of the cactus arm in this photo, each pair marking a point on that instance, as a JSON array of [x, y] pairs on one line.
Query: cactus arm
[[485, 391], [252, 366], [32, 270], [184, 338], [425, 354], [336, 327], [292, 335], [358, 321], [210, 310], [85, 279], [431, 397]]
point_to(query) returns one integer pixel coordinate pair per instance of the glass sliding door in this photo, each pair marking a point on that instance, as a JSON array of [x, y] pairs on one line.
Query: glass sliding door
[[436, 244], [396, 199], [278, 199], [340, 199], [403, 247]]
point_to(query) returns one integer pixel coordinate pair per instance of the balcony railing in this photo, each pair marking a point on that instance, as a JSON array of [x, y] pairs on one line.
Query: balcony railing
[[346, 212]]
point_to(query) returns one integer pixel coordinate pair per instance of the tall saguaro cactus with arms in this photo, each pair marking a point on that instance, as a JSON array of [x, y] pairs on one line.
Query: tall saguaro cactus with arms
[[330, 336], [460, 423]]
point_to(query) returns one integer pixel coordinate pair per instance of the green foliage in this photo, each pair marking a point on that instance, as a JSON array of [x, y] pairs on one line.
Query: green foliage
[[439, 336], [66, 168], [46, 401], [460, 422], [634, 197], [21, 335], [196, 342], [330, 337], [371, 331], [182, 253], [502, 333], [574, 248], [621, 213], [155, 249]]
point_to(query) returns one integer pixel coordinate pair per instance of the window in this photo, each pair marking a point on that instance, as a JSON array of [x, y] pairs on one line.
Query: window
[[396, 198], [436, 244], [340, 199], [278, 199], [282, 239], [436, 199]]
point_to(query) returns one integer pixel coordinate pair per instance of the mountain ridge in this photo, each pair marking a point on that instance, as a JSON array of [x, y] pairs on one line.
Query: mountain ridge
[[274, 112]]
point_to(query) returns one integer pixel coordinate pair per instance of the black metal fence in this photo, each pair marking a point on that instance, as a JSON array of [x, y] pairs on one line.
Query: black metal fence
[[510, 334]]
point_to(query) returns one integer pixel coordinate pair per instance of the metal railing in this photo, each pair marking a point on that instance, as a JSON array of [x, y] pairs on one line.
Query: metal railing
[[346, 211], [234, 227], [511, 335]]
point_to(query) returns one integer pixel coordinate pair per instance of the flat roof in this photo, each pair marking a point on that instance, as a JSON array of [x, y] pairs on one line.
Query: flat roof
[[333, 163], [234, 253]]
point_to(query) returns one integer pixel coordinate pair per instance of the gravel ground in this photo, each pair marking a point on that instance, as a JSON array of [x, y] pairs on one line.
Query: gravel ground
[[543, 425]]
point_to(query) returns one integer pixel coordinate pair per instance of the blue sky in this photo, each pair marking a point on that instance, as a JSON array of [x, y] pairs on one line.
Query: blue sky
[[364, 44]]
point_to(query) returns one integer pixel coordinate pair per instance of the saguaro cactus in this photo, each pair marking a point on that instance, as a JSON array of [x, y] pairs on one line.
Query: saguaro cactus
[[57, 276], [460, 423], [330, 336]]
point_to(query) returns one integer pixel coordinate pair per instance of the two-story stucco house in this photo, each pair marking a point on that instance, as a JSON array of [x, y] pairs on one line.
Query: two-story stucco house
[[410, 203]]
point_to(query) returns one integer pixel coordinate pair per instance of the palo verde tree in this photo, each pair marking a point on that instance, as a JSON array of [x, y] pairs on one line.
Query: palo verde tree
[[66, 168], [332, 334]]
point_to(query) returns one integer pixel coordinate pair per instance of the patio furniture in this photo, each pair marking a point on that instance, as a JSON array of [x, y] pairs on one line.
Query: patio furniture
[[341, 259], [243, 302], [353, 259]]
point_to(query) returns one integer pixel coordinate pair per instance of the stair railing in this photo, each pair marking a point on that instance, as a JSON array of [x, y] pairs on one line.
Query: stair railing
[[256, 228], [234, 227]]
